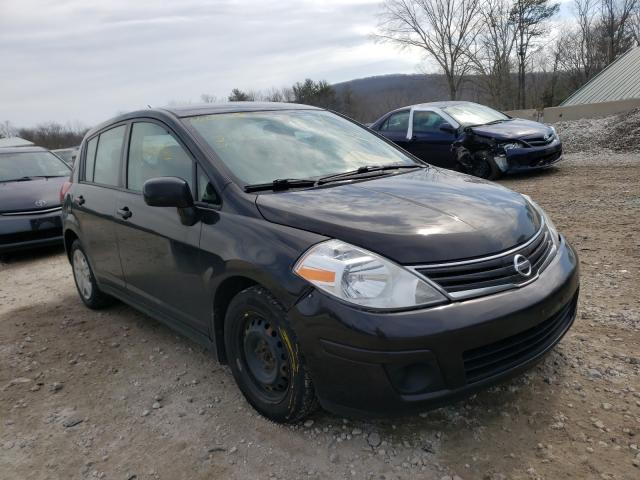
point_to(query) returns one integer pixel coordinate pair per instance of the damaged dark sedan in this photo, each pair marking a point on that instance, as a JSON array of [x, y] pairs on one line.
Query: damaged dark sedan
[[319, 261], [471, 138]]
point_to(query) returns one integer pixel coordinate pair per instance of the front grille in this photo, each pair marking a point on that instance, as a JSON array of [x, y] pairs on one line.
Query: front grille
[[481, 277], [539, 141], [32, 212], [495, 358]]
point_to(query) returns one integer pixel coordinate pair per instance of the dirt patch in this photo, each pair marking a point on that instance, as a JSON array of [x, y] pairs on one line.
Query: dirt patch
[[116, 395]]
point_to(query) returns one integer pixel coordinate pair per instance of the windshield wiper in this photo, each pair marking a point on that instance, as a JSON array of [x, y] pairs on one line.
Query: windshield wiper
[[26, 178], [492, 122], [19, 179], [363, 170], [281, 184]]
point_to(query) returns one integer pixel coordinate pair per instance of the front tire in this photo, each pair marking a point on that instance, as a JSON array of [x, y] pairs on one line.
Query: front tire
[[484, 166], [88, 289], [265, 358]]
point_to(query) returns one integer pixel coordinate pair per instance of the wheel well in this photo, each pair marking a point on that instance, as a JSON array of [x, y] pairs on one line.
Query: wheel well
[[69, 237], [228, 289]]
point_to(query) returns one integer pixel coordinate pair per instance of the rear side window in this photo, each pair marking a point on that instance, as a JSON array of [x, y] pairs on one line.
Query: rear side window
[[90, 161], [398, 122], [107, 164], [154, 152]]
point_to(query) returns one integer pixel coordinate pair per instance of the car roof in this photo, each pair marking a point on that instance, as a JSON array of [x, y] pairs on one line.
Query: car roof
[[22, 149], [233, 107], [192, 110]]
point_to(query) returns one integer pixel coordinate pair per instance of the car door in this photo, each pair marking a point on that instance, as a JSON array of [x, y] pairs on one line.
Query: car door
[[395, 128], [159, 253], [94, 203], [428, 142]]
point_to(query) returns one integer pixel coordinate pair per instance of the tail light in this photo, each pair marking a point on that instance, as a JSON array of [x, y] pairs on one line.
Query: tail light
[[64, 189]]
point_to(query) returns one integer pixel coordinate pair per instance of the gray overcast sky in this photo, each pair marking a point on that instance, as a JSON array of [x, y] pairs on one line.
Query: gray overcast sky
[[86, 60]]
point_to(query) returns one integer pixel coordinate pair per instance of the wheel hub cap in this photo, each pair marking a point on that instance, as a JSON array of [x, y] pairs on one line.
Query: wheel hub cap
[[82, 274]]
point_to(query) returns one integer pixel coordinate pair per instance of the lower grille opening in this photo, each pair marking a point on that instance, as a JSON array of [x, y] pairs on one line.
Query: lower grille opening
[[29, 236], [495, 358]]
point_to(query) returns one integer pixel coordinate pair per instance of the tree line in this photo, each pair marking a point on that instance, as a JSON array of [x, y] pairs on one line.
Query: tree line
[[51, 135], [493, 41]]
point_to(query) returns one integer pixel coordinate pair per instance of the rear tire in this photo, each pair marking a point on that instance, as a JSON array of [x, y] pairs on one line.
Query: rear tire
[[265, 358], [85, 280]]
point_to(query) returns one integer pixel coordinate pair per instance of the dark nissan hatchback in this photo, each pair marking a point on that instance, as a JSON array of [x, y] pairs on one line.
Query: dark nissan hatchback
[[315, 258]]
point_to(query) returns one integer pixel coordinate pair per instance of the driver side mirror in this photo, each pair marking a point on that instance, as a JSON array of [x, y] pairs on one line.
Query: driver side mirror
[[167, 192], [447, 127], [171, 192]]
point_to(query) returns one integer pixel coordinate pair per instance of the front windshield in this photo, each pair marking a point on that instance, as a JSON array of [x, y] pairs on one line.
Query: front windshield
[[467, 114], [18, 165], [259, 147]]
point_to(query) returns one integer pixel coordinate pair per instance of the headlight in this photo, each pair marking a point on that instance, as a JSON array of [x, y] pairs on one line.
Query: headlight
[[553, 231], [361, 277], [553, 130], [509, 146]]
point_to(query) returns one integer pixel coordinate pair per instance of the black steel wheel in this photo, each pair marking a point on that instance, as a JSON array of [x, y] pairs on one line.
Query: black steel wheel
[[265, 358]]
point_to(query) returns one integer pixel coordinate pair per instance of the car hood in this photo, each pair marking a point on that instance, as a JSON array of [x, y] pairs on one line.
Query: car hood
[[23, 195], [429, 215], [516, 128]]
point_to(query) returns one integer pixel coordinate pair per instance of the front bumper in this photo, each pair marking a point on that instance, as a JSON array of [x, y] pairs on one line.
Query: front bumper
[[533, 158], [379, 363], [30, 230]]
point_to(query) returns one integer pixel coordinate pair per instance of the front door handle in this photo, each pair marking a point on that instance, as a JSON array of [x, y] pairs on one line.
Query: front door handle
[[79, 200], [124, 213]]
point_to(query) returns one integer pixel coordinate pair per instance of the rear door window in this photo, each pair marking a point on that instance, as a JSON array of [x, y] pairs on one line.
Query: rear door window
[[154, 152], [90, 159], [108, 154]]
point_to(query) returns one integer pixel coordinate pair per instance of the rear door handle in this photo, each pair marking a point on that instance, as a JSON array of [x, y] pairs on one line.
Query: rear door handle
[[79, 200], [124, 213]]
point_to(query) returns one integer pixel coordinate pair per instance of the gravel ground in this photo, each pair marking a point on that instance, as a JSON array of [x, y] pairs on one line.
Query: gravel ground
[[116, 395], [616, 133]]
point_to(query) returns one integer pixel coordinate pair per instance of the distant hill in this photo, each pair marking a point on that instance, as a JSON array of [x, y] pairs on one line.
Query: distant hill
[[377, 95]]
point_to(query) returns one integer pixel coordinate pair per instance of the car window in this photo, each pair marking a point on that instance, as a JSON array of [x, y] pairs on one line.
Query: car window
[[24, 165], [154, 152], [107, 164], [397, 122], [206, 192], [426, 121], [90, 160]]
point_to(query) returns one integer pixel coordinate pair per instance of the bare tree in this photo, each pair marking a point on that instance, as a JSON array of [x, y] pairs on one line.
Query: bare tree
[[616, 25], [7, 130], [207, 98], [492, 59], [634, 25], [530, 18], [445, 29]]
